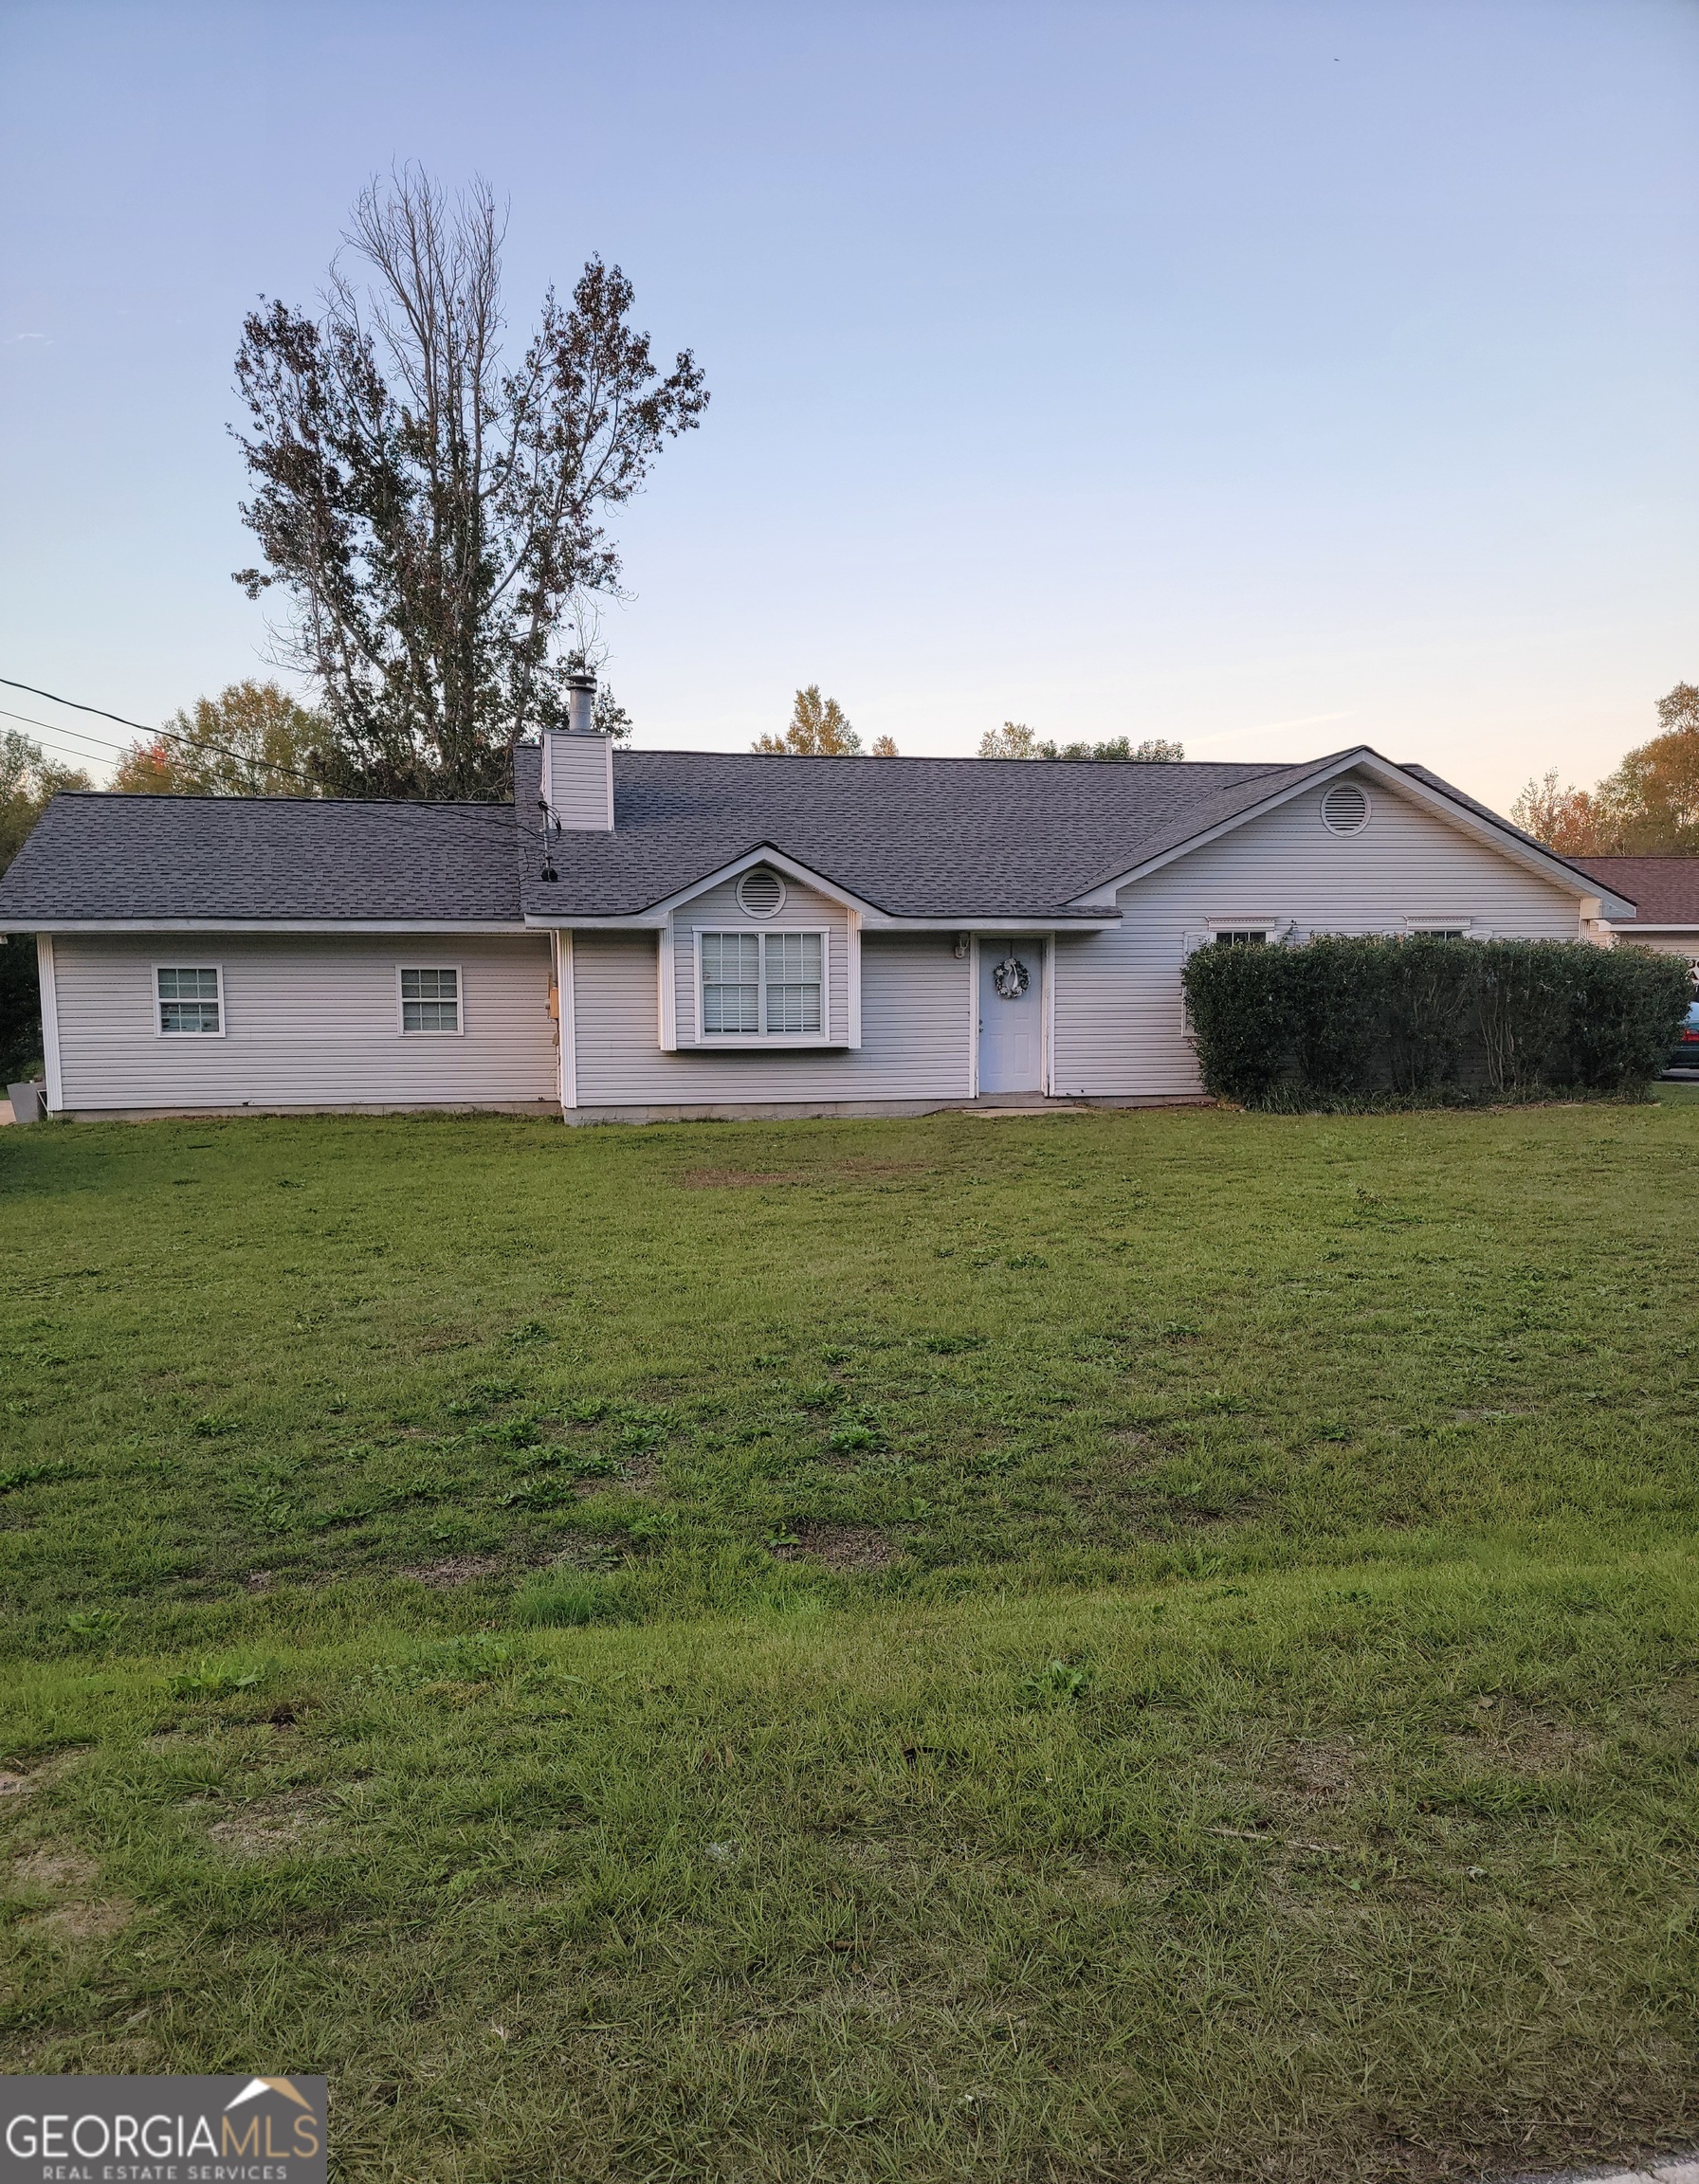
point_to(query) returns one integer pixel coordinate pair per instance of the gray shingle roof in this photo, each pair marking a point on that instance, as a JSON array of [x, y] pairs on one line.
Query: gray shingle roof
[[947, 838], [264, 857], [915, 837]]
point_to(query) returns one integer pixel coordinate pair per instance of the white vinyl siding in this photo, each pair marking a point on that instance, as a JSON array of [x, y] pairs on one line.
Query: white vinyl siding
[[308, 1022], [917, 1031], [1661, 943], [1118, 1023], [576, 779]]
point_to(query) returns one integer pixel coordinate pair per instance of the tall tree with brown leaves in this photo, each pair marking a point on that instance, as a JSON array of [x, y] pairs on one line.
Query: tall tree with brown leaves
[[1648, 808], [431, 515]]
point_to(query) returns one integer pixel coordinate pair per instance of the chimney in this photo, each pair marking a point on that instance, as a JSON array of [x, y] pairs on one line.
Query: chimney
[[580, 701], [577, 764]]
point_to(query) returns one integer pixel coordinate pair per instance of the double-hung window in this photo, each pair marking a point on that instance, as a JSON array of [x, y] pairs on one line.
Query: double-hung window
[[762, 985], [189, 1000], [429, 1000]]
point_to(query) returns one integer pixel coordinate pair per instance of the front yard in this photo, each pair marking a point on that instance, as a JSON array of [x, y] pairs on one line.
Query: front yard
[[1125, 1646]]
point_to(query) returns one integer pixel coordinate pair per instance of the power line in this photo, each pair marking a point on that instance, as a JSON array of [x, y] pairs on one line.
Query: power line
[[241, 758], [58, 728], [51, 729]]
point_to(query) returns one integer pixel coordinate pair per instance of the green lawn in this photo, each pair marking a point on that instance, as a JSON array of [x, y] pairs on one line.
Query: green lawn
[[1124, 1645]]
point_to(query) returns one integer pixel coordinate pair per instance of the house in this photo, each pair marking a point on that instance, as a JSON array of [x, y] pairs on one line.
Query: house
[[1665, 892], [651, 935]]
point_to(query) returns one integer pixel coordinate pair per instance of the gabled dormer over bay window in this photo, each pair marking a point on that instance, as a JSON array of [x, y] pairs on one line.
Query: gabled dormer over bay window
[[761, 957]]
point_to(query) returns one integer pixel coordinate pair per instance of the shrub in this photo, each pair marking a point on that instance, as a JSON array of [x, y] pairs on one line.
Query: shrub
[[1338, 1022]]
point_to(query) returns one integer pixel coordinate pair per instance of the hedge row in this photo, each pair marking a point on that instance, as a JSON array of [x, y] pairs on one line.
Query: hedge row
[[1338, 1022]]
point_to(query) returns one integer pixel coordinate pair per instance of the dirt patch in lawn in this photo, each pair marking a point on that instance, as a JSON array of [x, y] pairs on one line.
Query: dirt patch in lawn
[[826, 1171], [733, 1179], [841, 1547], [268, 1827], [1315, 1773], [88, 1921], [1525, 1743], [446, 1338], [457, 1570], [57, 1869]]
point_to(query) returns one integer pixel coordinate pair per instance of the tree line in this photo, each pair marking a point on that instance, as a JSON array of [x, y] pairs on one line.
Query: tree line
[[1648, 806]]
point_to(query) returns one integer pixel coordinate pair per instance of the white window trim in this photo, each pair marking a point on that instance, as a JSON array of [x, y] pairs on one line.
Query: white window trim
[[460, 1002], [1277, 928], [176, 963], [764, 1040]]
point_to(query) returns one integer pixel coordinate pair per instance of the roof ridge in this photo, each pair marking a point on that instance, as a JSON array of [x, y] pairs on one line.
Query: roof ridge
[[1249, 766], [307, 802]]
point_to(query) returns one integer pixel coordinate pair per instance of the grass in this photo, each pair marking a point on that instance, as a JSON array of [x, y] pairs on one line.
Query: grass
[[1115, 1647]]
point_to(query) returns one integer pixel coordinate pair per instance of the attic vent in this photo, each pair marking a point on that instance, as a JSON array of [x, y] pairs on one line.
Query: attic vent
[[761, 893], [1345, 808]]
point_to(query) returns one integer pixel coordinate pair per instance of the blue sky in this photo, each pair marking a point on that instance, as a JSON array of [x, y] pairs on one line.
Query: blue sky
[[1271, 377]]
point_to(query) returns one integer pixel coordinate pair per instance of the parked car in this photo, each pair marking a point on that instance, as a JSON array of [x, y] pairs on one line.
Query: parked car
[[1686, 1053]]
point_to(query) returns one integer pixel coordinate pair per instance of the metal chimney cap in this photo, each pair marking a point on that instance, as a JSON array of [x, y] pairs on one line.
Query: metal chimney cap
[[580, 678]]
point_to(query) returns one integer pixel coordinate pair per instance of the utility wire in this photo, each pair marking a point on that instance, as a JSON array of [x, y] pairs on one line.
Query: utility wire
[[50, 729], [240, 759]]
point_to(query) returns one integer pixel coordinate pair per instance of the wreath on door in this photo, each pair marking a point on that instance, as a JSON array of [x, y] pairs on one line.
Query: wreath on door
[[1010, 978]]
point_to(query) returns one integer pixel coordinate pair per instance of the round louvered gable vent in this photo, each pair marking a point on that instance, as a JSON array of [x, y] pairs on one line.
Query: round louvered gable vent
[[1345, 808], [761, 893]]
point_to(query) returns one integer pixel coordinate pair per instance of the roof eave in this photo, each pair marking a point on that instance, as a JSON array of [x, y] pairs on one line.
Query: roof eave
[[441, 925], [958, 921]]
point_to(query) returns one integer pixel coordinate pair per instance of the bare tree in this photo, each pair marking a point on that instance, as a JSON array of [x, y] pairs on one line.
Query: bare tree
[[1566, 819], [431, 513]]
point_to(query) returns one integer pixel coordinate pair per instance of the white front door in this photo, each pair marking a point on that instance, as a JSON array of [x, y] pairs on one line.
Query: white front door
[[1011, 1015]]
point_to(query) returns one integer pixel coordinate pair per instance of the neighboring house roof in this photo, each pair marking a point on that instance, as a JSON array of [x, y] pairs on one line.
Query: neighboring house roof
[[969, 839], [914, 837], [238, 859], [1664, 890]]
